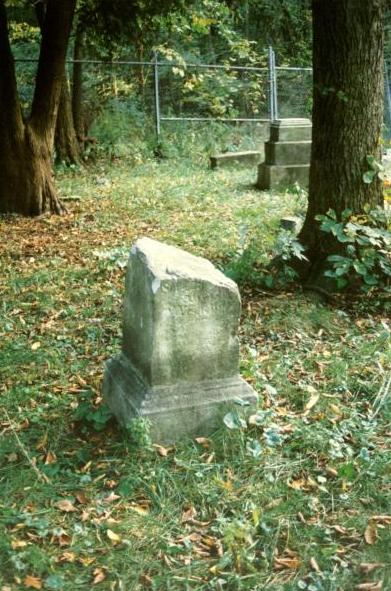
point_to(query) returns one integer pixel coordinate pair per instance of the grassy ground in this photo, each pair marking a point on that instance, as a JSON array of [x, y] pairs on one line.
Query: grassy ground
[[300, 499]]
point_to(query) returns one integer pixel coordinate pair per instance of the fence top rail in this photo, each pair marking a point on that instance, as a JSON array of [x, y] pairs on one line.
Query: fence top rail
[[293, 69], [153, 63], [232, 119]]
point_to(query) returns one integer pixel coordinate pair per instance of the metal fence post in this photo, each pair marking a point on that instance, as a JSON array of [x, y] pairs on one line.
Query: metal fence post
[[157, 97], [271, 82], [275, 99]]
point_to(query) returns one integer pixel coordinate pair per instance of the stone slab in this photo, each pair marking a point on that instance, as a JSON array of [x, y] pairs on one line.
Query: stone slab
[[291, 130], [228, 159], [286, 153], [280, 177], [174, 411]]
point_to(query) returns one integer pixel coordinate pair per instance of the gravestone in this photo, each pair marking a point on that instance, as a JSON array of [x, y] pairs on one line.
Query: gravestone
[[180, 353], [234, 159], [287, 155]]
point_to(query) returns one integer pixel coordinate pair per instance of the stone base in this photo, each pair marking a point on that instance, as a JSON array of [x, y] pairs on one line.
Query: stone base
[[287, 153], [175, 412], [234, 158], [271, 176]]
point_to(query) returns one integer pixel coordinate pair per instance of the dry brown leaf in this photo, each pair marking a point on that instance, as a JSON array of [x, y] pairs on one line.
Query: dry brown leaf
[[287, 563], [312, 401], [383, 519], [81, 498], [111, 498], [188, 515], [16, 544], [370, 534], [86, 560], [67, 557], [34, 347], [314, 565], [32, 582], [50, 458], [162, 451], [65, 505], [203, 441], [368, 567], [369, 586], [113, 537], [12, 457], [99, 576]]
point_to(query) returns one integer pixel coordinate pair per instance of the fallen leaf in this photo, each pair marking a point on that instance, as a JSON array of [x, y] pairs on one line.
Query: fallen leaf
[[33, 582], [203, 441], [115, 538], [16, 544], [162, 451], [314, 565], [67, 557], [34, 347], [312, 401], [111, 498], [188, 515], [369, 586], [12, 457], [368, 567], [286, 563], [99, 576], [383, 519], [81, 497], [65, 505], [370, 534], [50, 458]]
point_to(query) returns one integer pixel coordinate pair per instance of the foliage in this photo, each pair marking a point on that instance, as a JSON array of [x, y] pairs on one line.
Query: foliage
[[365, 243]]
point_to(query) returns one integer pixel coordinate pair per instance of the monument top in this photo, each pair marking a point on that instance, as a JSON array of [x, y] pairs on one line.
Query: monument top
[[170, 262]]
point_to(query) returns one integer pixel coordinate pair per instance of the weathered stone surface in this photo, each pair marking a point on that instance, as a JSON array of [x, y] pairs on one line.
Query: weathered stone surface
[[180, 354], [235, 158], [288, 130], [287, 153], [291, 224], [279, 177]]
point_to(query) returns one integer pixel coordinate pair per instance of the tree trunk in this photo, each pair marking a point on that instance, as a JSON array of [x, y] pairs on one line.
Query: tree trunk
[[26, 183], [66, 144], [77, 86], [347, 115]]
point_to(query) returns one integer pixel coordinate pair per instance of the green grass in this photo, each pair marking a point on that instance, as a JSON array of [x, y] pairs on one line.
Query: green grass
[[281, 505]]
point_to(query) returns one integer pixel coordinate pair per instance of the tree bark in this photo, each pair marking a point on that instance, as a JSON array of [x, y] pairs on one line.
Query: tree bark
[[26, 183], [77, 85], [347, 115], [66, 144]]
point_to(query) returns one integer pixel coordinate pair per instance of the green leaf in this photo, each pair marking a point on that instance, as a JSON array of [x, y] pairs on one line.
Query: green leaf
[[368, 176], [233, 421]]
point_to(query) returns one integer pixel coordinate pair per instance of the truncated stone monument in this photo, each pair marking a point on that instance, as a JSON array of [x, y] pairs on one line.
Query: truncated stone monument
[[287, 155], [180, 354]]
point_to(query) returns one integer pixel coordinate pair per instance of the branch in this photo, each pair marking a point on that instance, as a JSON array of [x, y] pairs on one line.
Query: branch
[[56, 29]]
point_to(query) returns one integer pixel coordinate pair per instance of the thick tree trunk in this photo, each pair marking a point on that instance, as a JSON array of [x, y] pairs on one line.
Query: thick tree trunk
[[26, 183], [66, 144], [347, 114]]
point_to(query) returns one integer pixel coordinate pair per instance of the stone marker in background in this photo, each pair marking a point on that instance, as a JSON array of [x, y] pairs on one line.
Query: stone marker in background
[[287, 155], [235, 158], [180, 354]]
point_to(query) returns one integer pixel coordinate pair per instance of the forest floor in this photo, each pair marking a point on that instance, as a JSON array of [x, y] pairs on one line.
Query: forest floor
[[300, 499]]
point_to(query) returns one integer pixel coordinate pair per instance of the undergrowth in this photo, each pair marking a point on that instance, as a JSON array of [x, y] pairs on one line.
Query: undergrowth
[[296, 497]]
